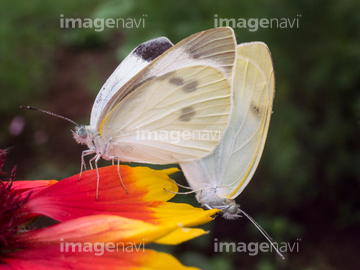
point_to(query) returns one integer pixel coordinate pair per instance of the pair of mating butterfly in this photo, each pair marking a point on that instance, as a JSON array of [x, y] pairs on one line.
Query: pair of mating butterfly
[[204, 103]]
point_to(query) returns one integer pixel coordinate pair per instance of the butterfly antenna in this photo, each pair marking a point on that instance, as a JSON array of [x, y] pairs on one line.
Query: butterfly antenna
[[53, 114], [267, 236]]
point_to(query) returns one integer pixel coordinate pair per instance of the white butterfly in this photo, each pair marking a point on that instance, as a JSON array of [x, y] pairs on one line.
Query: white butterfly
[[221, 176], [160, 93]]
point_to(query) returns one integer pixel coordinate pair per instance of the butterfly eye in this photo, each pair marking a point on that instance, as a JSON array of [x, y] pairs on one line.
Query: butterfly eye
[[81, 134], [233, 209]]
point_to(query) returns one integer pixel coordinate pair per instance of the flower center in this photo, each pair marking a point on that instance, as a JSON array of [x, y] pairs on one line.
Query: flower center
[[11, 219]]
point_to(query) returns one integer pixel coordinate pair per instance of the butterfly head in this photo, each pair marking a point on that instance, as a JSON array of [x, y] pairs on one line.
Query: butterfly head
[[82, 134], [229, 208], [210, 200]]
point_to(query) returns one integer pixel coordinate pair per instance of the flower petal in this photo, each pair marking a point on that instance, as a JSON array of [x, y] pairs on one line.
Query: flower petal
[[36, 184], [113, 213], [182, 214], [104, 229], [95, 228], [71, 198], [180, 235], [97, 259]]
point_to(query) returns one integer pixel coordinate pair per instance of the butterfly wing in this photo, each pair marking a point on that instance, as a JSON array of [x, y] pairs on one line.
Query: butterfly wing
[[231, 165], [184, 90], [137, 60], [214, 48], [178, 116]]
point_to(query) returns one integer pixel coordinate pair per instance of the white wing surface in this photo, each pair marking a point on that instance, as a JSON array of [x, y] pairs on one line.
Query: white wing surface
[[137, 60], [222, 175]]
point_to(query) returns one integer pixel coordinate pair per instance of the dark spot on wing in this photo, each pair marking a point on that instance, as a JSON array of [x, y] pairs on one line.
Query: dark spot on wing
[[191, 52], [167, 75], [177, 81], [256, 110], [143, 81], [139, 84], [187, 114], [190, 87], [151, 49]]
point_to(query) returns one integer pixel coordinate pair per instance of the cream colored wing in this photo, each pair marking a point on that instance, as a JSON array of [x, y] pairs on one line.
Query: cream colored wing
[[176, 117], [212, 48], [138, 59], [231, 165]]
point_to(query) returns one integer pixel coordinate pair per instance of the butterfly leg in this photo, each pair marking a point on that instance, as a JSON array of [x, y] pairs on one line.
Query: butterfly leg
[[83, 164], [96, 159], [118, 169], [180, 185], [206, 206], [122, 183], [182, 193]]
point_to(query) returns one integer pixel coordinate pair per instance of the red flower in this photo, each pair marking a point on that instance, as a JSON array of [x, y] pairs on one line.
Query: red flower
[[108, 233]]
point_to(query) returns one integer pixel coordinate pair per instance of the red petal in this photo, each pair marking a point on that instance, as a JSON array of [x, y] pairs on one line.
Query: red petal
[[33, 185], [71, 198]]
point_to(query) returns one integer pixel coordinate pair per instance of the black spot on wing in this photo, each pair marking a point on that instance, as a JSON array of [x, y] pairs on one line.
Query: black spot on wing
[[190, 87], [187, 114], [151, 49], [176, 81], [193, 52], [137, 85], [256, 110], [141, 81]]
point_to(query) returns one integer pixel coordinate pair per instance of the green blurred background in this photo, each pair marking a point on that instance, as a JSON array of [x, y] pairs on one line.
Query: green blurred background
[[307, 183]]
